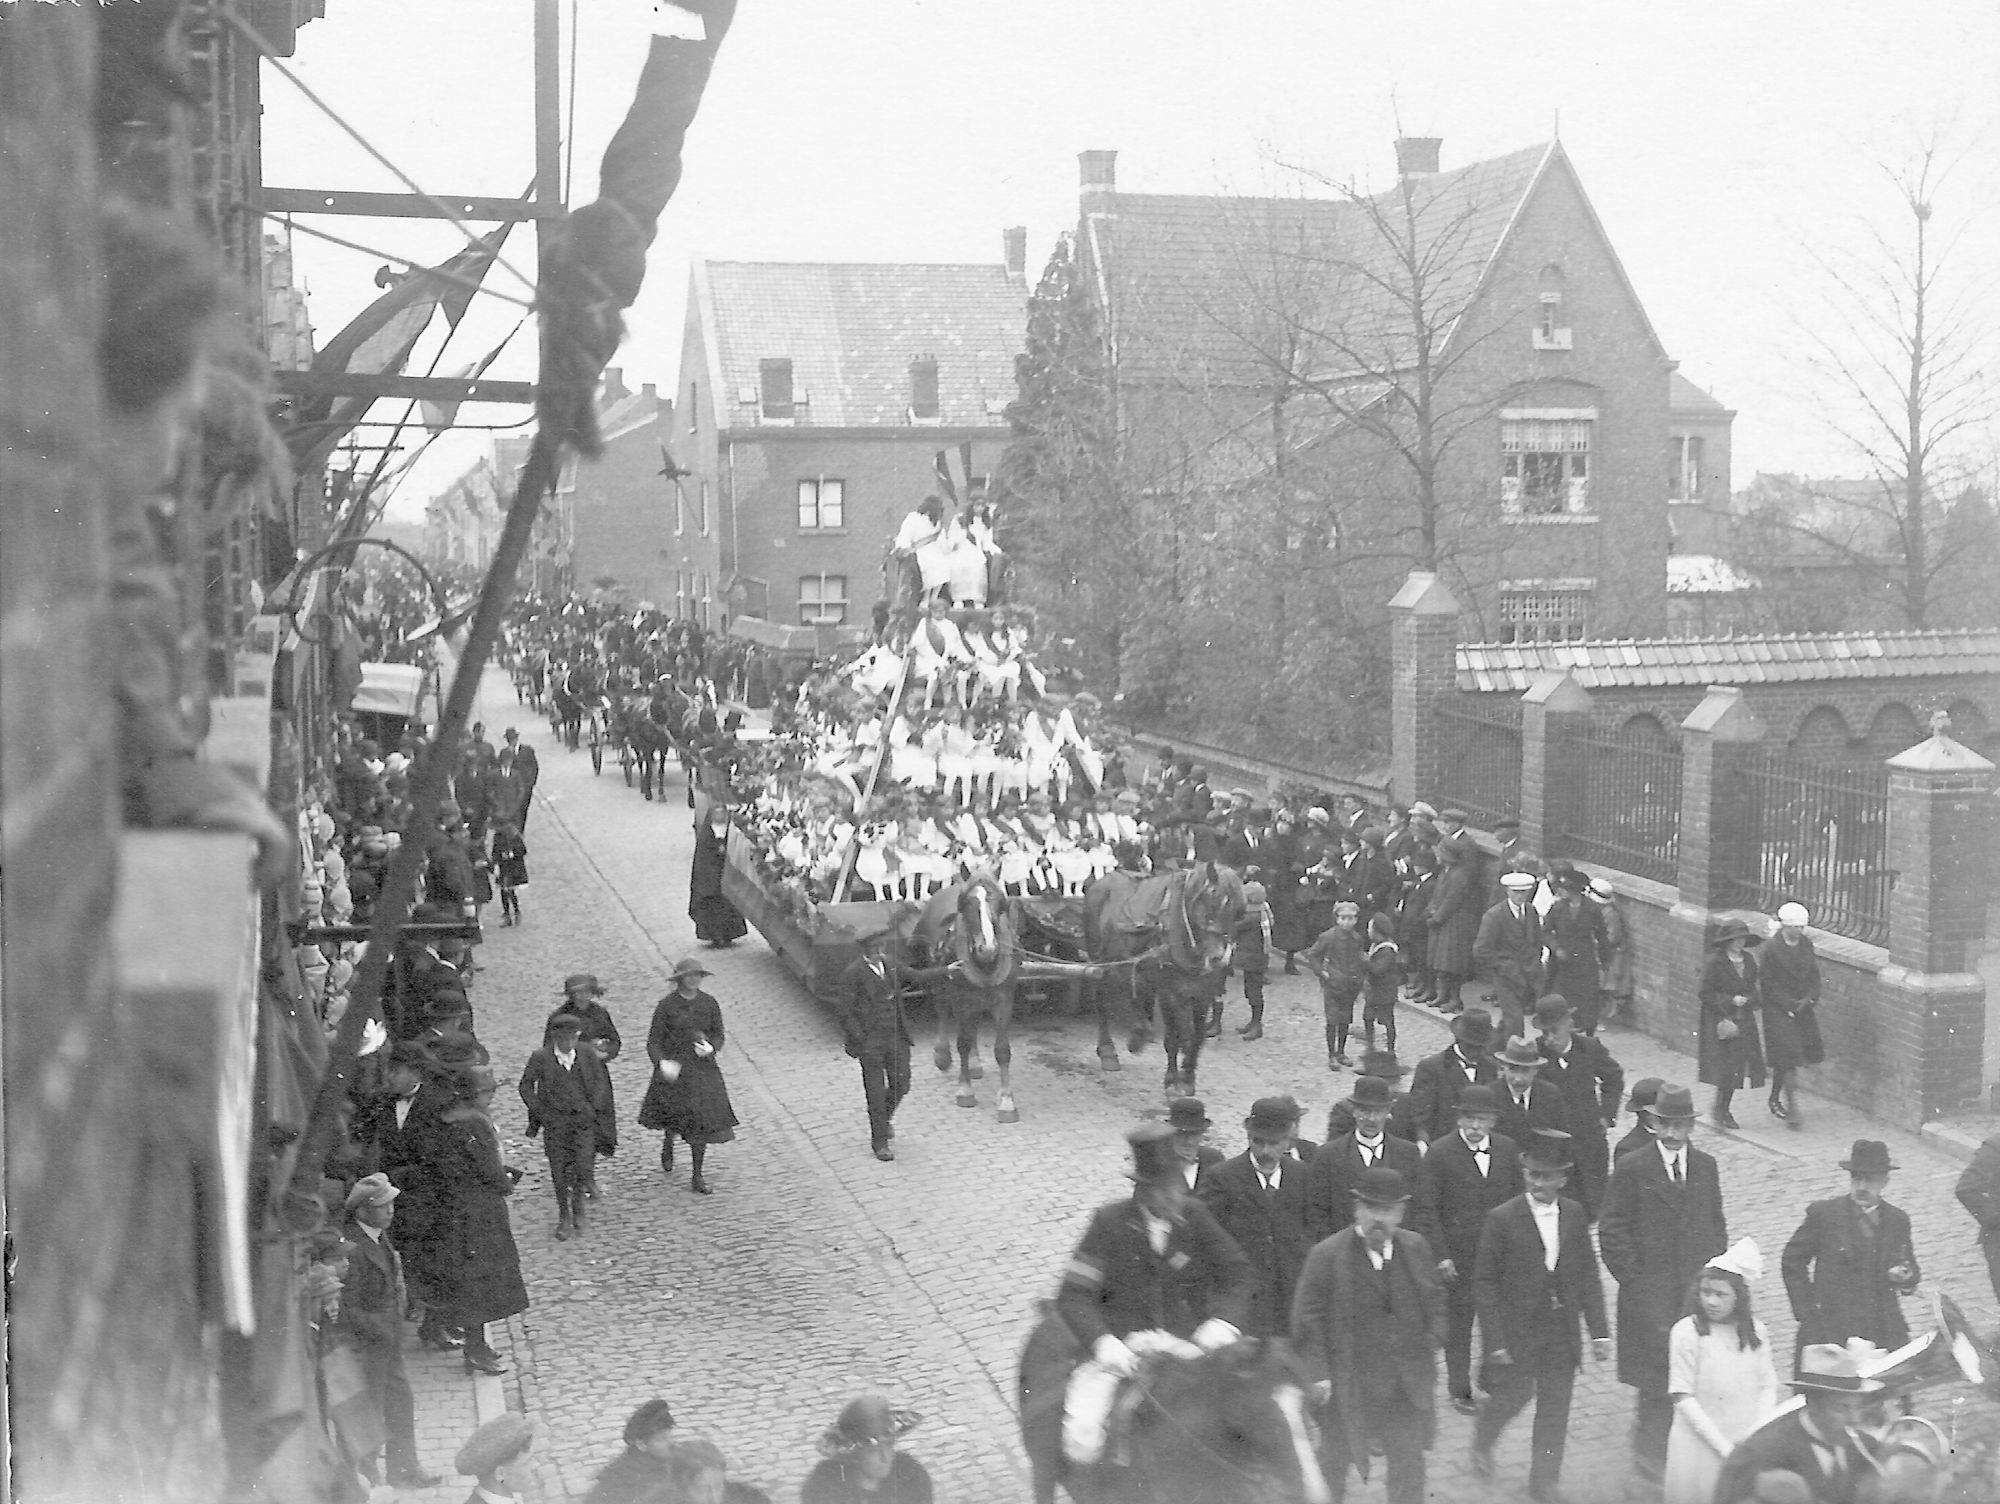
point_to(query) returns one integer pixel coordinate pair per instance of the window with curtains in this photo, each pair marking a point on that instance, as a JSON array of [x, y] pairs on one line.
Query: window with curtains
[[822, 505], [1684, 459], [1545, 465], [1531, 613], [822, 598]]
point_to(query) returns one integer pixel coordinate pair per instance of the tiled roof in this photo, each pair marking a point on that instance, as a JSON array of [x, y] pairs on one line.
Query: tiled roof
[[1200, 281], [1511, 666], [1683, 396], [851, 330]]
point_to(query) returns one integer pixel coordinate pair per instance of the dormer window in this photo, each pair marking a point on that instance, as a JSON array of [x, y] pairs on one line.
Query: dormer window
[[1551, 319], [775, 403], [924, 390]]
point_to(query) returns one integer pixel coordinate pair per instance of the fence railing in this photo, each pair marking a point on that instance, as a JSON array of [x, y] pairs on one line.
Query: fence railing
[[1626, 806], [1813, 832], [1481, 760]]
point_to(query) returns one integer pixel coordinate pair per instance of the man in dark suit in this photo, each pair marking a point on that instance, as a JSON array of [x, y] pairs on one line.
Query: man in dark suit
[[371, 1314], [528, 769], [395, 1130], [1592, 1083], [567, 1091], [1383, 1065], [1462, 1179], [1526, 1103], [1852, 1258], [1439, 1079], [1662, 1221], [1366, 1323], [1154, 1262], [1188, 1117], [1339, 1164], [1259, 1199], [876, 1033], [1536, 1279], [1817, 1444], [1507, 951]]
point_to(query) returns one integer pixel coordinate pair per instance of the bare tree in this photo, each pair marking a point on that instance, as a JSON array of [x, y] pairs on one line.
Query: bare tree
[[1899, 365]]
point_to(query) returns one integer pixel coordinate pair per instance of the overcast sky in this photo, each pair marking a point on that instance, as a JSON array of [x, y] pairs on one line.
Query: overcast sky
[[1722, 143]]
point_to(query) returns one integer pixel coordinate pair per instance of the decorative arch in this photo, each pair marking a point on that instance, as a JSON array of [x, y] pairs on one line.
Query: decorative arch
[[1645, 730], [1823, 733], [1895, 728]]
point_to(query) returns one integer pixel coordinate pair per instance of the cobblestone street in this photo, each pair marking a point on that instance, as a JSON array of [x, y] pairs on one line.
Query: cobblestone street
[[814, 1271]]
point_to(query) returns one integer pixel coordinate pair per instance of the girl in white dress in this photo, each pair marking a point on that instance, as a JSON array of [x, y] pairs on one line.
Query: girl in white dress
[[1719, 1374]]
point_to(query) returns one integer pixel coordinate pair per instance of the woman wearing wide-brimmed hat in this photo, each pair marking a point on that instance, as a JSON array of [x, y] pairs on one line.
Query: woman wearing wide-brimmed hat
[[860, 1460], [687, 1098], [481, 1266], [1731, 1051]]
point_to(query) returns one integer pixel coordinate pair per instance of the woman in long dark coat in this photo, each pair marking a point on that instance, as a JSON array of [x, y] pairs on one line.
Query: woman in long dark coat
[[1453, 920], [688, 1098], [1574, 928], [1731, 1053], [1281, 882], [716, 920], [1788, 975], [481, 1267]]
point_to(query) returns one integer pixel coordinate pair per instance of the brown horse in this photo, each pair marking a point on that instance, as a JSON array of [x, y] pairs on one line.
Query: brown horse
[[1224, 1428], [1169, 936]]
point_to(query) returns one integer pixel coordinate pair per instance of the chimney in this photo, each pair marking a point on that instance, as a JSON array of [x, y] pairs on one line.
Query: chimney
[[650, 392], [614, 384], [1014, 245], [924, 389], [1417, 156], [1098, 172]]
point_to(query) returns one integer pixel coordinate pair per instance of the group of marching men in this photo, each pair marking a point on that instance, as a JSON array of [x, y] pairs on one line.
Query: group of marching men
[[1428, 1213]]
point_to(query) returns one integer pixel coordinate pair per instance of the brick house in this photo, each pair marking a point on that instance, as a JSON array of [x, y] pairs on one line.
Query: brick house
[[1252, 335], [813, 401]]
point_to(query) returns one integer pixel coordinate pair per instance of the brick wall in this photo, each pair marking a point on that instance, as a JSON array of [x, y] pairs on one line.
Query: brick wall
[[623, 511]]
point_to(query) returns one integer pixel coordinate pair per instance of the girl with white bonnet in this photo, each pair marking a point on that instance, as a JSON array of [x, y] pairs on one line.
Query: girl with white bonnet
[[1719, 1374], [1789, 972]]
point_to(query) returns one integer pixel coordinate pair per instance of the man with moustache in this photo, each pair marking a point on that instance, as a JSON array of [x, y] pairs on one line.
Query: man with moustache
[[1259, 1199], [1339, 1164]]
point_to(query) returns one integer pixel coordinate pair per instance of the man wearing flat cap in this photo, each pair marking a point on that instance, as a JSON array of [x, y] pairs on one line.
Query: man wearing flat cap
[[1259, 1199], [371, 1315], [1816, 1444], [495, 1457], [1366, 1323], [1852, 1260], [1507, 953], [567, 1092], [1661, 1223], [1339, 1164], [1150, 1268]]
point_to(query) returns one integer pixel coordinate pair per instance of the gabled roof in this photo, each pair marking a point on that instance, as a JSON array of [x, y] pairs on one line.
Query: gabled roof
[[1698, 662], [851, 330], [1197, 281], [1686, 399]]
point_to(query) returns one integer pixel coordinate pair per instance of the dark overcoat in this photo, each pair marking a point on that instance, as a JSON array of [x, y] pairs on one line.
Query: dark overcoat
[[1788, 982], [1452, 1198], [1547, 1108], [1836, 1273], [1116, 1285], [1593, 1087], [483, 1281], [1738, 1061], [695, 1105], [1435, 1086], [1454, 919], [1655, 1239], [573, 1096], [869, 1008], [1271, 1229], [1574, 930], [1507, 949], [1334, 1169]]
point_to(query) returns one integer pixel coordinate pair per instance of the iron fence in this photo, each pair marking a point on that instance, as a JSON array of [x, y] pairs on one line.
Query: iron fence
[[1625, 810], [1813, 832], [1480, 760]]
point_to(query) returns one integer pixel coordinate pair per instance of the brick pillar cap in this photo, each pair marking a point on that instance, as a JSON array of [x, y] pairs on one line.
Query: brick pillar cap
[[1725, 716], [1557, 691], [1940, 754], [1423, 594]]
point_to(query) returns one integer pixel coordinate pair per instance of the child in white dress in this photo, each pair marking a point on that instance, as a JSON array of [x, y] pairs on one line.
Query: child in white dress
[[1719, 1374]]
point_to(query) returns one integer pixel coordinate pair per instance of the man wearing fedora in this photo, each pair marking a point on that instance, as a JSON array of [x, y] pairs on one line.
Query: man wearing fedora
[[1188, 1117], [1383, 1065], [1852, 1260], [1440, 1079], [1817, 1443], [1527, 1103], [1259, 1199], [1367, 1319], [877, 1034], [1535, 1280], [1340, 1163], [1592, 1084], [1150, 1267], [371, 1314], [1508, 951], [1463, 1177], [1662, 1222]]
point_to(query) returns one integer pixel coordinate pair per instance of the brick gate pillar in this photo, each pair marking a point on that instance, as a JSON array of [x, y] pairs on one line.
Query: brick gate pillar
[[1423, 652], [1555, 709], [1940, 825], [1714, 810]]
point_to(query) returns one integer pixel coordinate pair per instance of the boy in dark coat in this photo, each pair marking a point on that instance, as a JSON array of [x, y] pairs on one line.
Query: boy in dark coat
[[1340, 961], [568, 1096], [1381, 982]]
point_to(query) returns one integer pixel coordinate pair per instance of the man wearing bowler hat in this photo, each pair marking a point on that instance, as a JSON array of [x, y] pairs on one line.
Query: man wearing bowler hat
[[1340, 1163], [1463, 1177], [1383, 1065], [1816, 1444], [1440, 1079], [1259, 1199], [1152, 1272], [1366, 1323], [1662, 1222], [1852, 1260], [1527, 1103], [1536, 1279], [1188, 1117]]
